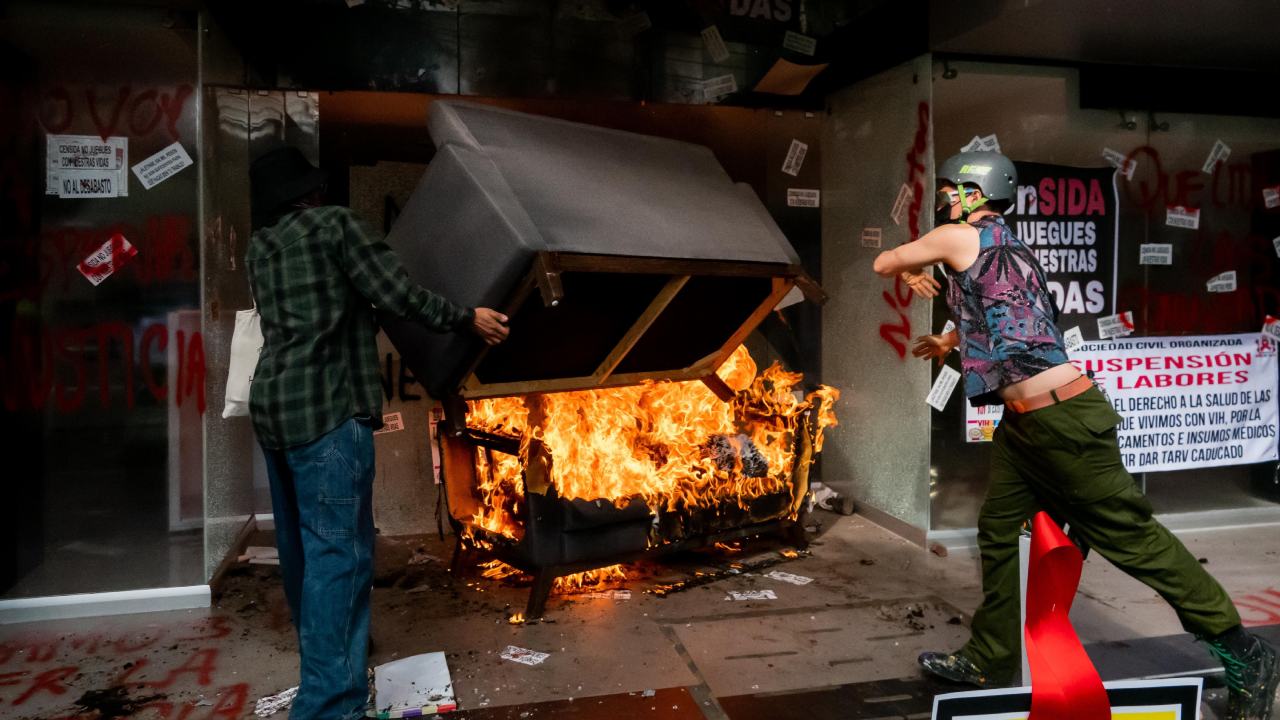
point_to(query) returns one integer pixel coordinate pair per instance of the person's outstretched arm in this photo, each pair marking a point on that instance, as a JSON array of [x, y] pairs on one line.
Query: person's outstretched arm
[[942, 244], [380, 277]]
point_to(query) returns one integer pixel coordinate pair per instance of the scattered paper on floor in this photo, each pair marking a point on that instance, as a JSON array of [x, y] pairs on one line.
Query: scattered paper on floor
[[524, 655], [272, 704], [787, 577], [752, 595], [413, 686]]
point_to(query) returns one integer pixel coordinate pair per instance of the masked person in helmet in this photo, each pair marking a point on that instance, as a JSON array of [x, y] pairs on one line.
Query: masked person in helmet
[[1055, 448]]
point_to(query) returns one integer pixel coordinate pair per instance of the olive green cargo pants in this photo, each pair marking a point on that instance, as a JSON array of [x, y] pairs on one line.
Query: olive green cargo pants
[[1064, 459]]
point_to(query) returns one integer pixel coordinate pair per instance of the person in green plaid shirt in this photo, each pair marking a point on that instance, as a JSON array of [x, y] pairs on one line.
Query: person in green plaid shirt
[[316, 273]]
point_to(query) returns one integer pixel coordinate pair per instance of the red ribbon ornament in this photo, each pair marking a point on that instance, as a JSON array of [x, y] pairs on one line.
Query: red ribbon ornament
[[1064, 683]]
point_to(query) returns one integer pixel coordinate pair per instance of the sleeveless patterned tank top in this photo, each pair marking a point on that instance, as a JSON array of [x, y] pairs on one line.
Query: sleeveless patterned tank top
[[1004, 314]]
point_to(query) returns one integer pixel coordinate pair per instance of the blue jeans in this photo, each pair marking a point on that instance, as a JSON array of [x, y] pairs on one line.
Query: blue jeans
[[322, 499]]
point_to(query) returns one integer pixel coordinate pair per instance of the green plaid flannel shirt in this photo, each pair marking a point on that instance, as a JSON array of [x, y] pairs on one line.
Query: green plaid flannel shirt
[[316, 276]]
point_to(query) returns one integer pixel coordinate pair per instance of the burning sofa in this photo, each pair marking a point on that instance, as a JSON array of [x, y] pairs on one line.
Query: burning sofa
[[621, 416]]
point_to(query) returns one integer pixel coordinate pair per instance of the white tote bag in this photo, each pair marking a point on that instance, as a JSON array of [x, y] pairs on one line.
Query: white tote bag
[[246, 345]]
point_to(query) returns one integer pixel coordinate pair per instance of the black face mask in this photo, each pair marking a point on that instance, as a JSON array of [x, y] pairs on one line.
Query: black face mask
[[942, 210]]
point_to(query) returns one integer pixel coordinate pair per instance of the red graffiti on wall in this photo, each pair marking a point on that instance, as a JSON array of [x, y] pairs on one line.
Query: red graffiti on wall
[[1154, 187], [899, 334], [116, 110], [57, 363], [166, 254]]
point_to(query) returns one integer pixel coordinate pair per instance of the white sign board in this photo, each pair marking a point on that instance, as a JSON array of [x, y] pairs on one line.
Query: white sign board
[[87, 166], [1186, 402], [162, 166], [943, 387]]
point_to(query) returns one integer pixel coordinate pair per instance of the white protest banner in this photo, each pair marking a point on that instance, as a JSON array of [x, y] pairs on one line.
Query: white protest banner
[[1155, 254], [1222, 282], [795, 158], [943, 387], [1188, 402], [800, 197], [798, 43], [162, 166], [871, 237], [1219, 153], [1181, 217], [1117, 325], [87, 166], [715, 44]]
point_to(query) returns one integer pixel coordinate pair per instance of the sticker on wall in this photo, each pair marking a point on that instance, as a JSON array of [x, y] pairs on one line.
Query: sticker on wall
[[715, 44], [1222, 282], [803, 197], [988, 143], [1072, 338], [795, 158], [1114, 326], [1271, 328], [1271, 197], [87, 166], [943, 387], [104, 261], [1218, 154], [1155, 254], [1121, 162], [162, 166], [633, 25], [391, 422], [1181, 217], [803, 44], [717, 87], [899, 210], [871, 238]]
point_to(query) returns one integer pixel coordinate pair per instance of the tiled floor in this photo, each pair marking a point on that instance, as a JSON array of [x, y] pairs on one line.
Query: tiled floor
[[843, 645]]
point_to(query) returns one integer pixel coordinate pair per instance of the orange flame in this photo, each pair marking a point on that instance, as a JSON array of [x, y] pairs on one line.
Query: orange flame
[[652, 441], [589, 581]]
